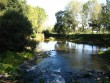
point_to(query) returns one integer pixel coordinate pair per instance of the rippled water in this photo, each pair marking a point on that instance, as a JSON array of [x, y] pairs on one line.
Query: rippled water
[[66, 60]]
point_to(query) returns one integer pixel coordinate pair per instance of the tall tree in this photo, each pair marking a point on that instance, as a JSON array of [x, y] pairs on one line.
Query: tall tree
[[36, 16], [84, 15], [107, 15], [108, 4], [60, 25], [41, 17], [65, 22], [95, 10], [103, 20], [74, 6]]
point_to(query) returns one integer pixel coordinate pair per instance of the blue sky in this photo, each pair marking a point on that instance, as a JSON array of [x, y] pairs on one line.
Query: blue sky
[[52, 6]]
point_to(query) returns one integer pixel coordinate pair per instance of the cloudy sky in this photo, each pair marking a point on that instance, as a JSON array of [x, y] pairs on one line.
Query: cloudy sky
[[52, 6]]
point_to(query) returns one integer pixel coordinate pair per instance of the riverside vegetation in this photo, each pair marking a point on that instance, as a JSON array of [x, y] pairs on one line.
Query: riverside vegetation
[[20, 23], [17, 28]]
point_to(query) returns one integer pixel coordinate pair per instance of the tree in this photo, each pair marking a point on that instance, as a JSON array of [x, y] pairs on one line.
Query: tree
[[14, 4], [18, 5], [107, 20], [84, 15], [15, 30], [65, 22], [3, 4], [60, 25], [36, 16], [31, 13], [41, 16], [108, 4], [74, 6], [103, 18], [95, 10]]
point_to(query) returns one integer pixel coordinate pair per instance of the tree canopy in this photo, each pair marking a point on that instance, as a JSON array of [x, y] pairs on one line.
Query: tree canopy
[[18, 21], [15, 30], [82, 15], [65, 22]]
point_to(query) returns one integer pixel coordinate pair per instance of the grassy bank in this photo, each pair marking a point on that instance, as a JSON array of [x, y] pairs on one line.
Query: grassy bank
[[97, 39], [105, 55], [9, 63], [105, 58]]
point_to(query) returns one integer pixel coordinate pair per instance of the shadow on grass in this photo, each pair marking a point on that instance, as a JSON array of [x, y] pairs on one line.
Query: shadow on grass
[[10, 61]]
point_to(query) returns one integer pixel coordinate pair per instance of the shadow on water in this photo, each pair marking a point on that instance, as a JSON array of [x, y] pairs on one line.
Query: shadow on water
[[68, 63]]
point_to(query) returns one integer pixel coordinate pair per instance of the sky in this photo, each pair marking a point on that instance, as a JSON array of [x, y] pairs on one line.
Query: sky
[[53, 6]]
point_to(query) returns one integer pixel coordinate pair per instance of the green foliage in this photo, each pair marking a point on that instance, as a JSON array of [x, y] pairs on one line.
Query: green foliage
[[18, 23], [106, 53], [33, 35], [41, 16], [84, 16], [36, 16], [3, 4], [51, 38], [14, 31], [10, 4], [9, 61], [65, 22], [78, 15]]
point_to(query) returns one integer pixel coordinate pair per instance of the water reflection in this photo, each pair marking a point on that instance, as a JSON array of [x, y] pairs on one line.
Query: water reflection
[[66, 62], [77, 55]]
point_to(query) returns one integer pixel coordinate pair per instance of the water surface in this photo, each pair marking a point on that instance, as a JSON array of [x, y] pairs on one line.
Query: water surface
[[66, 61]]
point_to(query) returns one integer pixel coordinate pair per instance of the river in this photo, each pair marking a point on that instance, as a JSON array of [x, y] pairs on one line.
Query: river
[[68, 62]]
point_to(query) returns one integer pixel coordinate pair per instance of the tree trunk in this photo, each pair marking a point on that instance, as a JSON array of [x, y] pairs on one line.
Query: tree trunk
[[92, 30]]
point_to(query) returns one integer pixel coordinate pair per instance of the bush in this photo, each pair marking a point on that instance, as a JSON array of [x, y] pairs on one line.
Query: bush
[[15, 31]]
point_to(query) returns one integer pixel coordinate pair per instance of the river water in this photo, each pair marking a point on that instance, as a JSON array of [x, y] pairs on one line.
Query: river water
[[68, 62]]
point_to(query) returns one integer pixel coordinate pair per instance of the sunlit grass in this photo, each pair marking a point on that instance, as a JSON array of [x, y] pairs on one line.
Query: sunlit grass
[[9, 61], [39, 37], [105, 55], [51, 38]]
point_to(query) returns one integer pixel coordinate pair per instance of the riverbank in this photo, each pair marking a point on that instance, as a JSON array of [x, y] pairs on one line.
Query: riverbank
[[105, 56], [10, 63], [29, 61], [93, 39]]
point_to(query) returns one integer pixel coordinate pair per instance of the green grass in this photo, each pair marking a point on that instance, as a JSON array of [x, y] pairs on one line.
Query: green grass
[[51, 38], [105, 54], [9, 61]]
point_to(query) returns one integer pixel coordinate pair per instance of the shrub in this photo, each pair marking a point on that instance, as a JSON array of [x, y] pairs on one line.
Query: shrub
[[15, 31]]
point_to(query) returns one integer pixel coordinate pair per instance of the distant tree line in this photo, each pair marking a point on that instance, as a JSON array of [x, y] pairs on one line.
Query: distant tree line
[[80, 17]]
